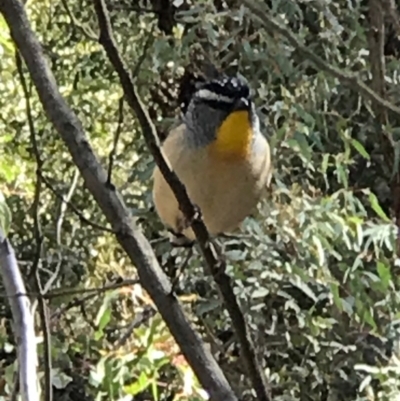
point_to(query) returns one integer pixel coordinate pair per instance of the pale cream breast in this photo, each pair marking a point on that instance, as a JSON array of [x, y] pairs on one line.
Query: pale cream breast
[[226, 191]]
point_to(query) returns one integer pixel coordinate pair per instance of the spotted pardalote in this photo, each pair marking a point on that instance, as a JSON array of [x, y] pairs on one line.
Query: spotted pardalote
[[219, 154]]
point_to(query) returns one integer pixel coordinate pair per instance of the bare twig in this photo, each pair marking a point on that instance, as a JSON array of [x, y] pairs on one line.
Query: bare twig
[[74, 208], [116, 139], [39, 164], [59, 224], [79, 291], [128, 7], [146, 47], [95, 290], [261, 15], [23, 322], [88, 292], [182, 267], [214, 263], [152, 278], [64, 205], [76, 24], [138, 320], [39, 240]]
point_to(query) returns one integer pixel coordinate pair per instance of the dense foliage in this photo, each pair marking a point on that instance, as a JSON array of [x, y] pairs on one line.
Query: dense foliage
[[314, 270]]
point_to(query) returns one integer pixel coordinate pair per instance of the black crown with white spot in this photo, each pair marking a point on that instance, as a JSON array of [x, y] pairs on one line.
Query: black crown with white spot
[[225, 88], [220, 93]]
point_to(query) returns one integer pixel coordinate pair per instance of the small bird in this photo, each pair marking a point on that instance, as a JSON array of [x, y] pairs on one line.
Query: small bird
[[219, 154]]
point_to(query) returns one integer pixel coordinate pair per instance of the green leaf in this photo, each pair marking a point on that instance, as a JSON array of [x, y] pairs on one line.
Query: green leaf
[[376, 206], [59, 379], [300, 144], [368, 318], [307, 117], [139, 385], [104, 314], [105, 318], [320, 250], [384, 274], [325, 162], [360, 149], [336, 297], [341, 174], [260, 293], [98, 374], [5, 215]]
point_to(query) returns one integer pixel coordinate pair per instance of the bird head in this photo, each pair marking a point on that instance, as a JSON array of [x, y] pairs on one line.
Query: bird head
[[221, 114]]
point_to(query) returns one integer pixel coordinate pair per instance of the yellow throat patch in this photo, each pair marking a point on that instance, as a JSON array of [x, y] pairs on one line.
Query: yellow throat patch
[[233, 137]]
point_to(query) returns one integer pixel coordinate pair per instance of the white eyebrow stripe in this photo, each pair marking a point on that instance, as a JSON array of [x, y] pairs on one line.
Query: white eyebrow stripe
[[209, 95]]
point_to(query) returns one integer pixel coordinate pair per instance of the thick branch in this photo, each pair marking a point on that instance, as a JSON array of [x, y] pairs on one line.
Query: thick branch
[[23, 323], [215, 264], [129, 236]]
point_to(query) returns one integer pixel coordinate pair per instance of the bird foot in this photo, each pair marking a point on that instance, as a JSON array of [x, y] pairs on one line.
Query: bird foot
[[196, 216], [178, 240]]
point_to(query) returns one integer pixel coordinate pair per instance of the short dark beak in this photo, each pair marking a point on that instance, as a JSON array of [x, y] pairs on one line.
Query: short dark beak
[[242, 104]]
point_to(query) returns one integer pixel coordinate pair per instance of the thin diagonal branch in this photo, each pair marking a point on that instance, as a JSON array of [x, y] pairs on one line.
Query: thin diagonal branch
[[131, 238], [214, 263], [260, 14], [81, 217], [59, 223], [146, 47], [116, 139], [80, 291], [76, 24]]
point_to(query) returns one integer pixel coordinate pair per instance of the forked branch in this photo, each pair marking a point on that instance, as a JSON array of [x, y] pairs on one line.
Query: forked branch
[[132, 240], [214, 263]]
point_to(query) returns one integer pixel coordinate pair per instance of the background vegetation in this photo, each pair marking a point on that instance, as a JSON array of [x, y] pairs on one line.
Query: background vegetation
[[314, 270]]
